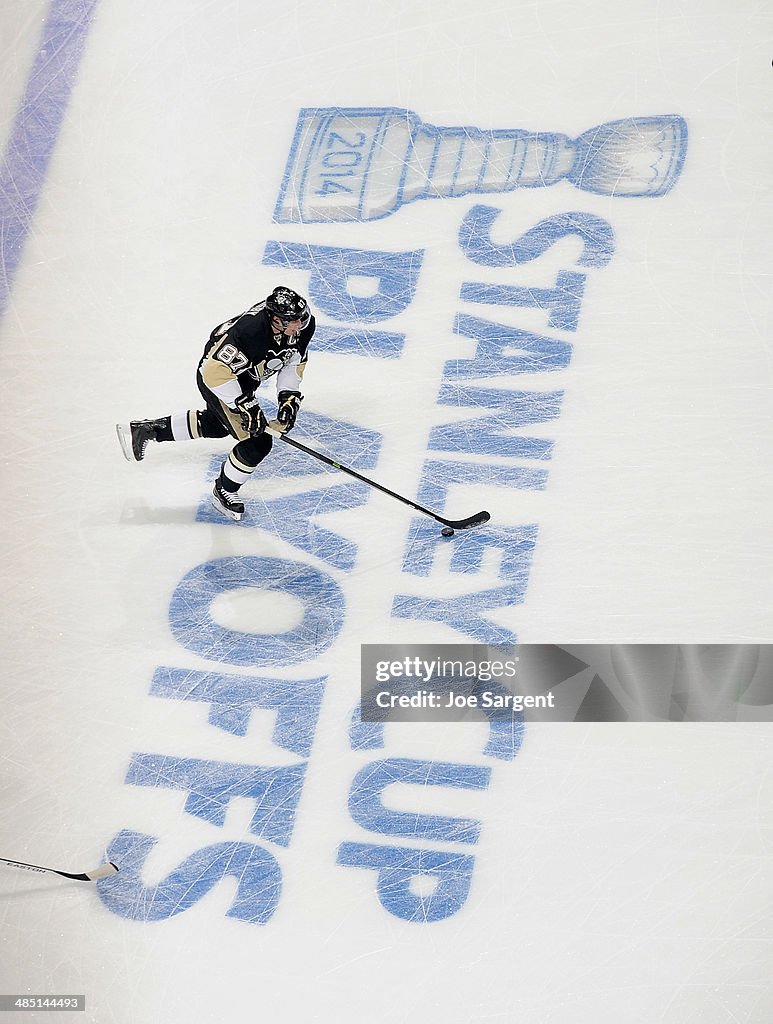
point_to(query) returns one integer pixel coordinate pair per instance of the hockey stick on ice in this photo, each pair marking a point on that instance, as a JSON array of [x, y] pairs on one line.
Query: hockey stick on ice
[[82, 876], [451, 524]]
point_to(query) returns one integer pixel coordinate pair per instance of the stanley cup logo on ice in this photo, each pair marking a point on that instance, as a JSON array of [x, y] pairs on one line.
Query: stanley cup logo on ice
[[359, 164]]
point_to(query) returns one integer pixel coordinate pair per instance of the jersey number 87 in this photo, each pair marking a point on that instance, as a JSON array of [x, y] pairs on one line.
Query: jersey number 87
[[235, 360]]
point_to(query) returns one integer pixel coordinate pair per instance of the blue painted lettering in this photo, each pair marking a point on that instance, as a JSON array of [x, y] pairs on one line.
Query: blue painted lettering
[[232, 699], [367, 808], [492, 435], [537, 353], [259, 881], [211, 785], [195, 628], [562, 302], [595, 233], [398, 867], [391, 278]]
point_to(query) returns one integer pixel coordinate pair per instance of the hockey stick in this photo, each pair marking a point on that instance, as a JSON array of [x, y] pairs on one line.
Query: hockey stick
[[82, 876], [451, 524]]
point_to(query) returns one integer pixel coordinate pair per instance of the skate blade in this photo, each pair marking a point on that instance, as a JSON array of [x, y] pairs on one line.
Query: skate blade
[[125, 439], [236, 516]]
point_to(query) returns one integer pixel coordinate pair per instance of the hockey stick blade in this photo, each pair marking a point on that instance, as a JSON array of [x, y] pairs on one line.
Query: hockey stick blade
[[465, 524], [103, 871], [478, 519]]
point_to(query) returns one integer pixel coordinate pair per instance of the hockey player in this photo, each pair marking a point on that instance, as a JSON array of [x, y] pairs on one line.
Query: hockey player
[[272, 337]]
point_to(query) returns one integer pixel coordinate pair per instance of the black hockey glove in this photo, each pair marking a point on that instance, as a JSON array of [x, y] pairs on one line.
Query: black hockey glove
[[253, 420], [287, 410]]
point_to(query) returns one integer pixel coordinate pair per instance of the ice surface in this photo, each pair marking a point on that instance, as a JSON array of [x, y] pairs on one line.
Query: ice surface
[[621, 872]]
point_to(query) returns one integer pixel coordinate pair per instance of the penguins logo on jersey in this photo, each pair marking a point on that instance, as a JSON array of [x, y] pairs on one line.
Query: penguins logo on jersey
[[275, 360]]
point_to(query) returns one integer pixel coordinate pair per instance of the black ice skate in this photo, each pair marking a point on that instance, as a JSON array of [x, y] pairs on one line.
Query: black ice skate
[[227, 502], [137, 436]]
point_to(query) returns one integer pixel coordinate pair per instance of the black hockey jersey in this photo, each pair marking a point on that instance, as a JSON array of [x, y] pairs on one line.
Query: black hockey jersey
[[245, 351]]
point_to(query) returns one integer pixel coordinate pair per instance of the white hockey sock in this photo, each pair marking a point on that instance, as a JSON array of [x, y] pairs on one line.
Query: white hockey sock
[[235, 470], [185, 425]]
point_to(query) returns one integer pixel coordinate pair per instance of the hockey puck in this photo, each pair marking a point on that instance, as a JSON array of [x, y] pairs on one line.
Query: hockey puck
[[447, 531]]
